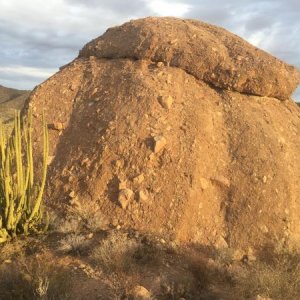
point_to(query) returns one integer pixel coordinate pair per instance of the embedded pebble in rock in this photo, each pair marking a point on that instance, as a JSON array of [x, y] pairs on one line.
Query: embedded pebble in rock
[[159, 143], [50, 159], [165, 101], [143, 195], [74, 202], [237, 255], [72, 194], [125, 196], [221, 243], [122, 185], [204, 183], [251, 256], [221, 180], [139, 179]]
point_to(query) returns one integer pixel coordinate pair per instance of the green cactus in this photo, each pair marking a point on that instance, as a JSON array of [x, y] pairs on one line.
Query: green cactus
[[20, 195]]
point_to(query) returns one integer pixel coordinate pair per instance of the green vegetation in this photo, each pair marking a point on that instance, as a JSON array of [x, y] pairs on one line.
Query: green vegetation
[[20, 194]]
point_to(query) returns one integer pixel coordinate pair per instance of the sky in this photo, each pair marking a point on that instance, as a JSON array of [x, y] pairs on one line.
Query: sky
[[38, 36]]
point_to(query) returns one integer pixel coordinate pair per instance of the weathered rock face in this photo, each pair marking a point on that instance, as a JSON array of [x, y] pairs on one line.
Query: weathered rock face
[[160, 128], [207, 52]]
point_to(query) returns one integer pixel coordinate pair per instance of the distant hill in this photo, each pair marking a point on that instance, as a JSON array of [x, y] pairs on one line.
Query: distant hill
[[7, 94], [10, 100]]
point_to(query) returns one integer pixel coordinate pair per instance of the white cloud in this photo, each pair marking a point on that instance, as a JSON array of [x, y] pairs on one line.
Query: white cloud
[[167, 8], [296, 95], [28, 71], [37, 36]]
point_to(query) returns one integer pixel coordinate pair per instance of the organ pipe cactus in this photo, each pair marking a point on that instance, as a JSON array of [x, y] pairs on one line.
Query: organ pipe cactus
[[20, 194]]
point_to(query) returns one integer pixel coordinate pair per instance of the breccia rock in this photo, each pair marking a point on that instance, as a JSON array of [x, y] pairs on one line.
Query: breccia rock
[[219, 160]]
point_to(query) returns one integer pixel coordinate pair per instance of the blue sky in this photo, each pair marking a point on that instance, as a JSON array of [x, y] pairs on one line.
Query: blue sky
[[37, 37]]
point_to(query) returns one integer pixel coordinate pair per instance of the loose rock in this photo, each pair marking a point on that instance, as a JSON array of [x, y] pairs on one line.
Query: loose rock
[[140, 293], [50, 159], [57, 126], [258, 297]]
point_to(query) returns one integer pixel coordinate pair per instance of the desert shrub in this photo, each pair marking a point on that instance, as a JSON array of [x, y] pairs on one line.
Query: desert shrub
[[20, 194], [34, 280], [54, 220], [74, 244], [69, 225], [176, 290], [277, 279], [149, 253], [89, 216], [11, 250], [116, 252], [95, 221]]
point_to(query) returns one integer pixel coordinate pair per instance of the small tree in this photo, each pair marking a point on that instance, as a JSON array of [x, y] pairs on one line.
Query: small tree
[[20, 194]]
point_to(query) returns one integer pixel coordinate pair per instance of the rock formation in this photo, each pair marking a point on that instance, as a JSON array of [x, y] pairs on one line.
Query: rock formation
[[180, 128]]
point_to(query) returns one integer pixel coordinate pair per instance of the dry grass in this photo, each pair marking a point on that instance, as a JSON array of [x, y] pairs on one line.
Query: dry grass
[[89, 216], [11, 250], [116, 252], [34, 280], [95, 221], [149, 253], [74, 244], [126, 257], [70, 225], [85, 217], [278, 278]]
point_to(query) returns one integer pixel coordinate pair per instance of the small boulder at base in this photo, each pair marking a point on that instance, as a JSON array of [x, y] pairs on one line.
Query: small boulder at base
[[140, 293]]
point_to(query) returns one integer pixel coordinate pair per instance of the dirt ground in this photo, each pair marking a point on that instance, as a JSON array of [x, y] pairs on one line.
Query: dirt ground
[[69, 263]]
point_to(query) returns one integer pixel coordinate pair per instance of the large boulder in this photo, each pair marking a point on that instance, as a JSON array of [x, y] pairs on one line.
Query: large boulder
[[177, 127]]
